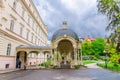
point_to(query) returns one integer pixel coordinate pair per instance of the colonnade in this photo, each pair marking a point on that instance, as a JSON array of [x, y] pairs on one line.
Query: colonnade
[[57, 57]]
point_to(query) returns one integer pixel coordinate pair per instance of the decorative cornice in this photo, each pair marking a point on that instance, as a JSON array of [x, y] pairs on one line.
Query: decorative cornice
[[29, 10], [13, 35]]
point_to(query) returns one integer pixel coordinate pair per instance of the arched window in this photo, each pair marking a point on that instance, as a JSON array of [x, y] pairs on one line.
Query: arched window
[[8, 49]]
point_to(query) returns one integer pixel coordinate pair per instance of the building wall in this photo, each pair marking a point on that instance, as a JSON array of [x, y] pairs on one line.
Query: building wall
[[20, 24], [7, 60]]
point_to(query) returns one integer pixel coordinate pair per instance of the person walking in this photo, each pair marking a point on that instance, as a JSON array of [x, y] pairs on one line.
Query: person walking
[[19, 64]]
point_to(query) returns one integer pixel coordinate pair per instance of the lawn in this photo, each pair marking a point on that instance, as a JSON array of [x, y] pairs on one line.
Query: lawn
[[88, 61], [110, 66]]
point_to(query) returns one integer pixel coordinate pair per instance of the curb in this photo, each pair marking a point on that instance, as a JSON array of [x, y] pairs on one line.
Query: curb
[[7, 71]]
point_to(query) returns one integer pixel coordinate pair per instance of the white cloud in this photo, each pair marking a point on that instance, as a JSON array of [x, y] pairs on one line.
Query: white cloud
[[82, 14], [79, 7], [44, 8]]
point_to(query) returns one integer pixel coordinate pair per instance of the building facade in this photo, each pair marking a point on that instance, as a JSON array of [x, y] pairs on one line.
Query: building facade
[[20, 24], [64, 52]]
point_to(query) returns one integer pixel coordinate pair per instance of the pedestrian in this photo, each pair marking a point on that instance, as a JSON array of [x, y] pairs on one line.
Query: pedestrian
[[19, 64], [24, 66]]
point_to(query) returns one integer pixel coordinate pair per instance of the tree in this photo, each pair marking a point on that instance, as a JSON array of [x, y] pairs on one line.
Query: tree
[[111, 9], [114, 56], [98, 46], [86, 48]]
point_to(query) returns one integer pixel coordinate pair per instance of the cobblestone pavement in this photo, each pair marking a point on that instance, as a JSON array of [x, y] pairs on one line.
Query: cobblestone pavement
[[62, 74]]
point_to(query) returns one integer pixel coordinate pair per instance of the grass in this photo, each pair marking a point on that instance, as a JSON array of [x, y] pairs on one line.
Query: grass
[[88, 61], [110, 66]]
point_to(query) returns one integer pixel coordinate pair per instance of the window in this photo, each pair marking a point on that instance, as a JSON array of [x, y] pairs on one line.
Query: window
[[29, 5], [38, 42], [30, 54], [7, 66], [27, 36], [36, 29], [32, 38], [35, 40], [8, 49], [28, 19], [33, 25], [23, 12], [14, 4], [12, 25], [21, 31]]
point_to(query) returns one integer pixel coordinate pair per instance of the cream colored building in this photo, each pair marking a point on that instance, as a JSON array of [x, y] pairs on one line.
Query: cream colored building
[[20, 24], [65, 50]]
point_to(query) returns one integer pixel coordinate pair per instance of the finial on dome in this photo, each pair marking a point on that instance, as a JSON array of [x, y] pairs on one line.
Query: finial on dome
[[64, 24]]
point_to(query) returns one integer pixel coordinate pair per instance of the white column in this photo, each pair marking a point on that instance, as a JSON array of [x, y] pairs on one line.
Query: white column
[[51, 57], [36, 59], [74, 57], [81, 57]]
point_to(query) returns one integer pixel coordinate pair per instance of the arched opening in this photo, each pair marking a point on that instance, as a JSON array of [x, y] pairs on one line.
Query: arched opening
[[66, 50], [32, 59], [21, 59]]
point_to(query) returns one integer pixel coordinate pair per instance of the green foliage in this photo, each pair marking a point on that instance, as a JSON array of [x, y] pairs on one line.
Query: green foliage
[[88, 61], [76, 66], [86, 48], [111, 66], [114, 57], [118, 30], [112, 10], [98, 46], [46, 63], [93, 48]]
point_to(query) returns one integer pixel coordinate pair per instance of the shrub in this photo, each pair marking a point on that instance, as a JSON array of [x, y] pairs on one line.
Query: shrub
[[46, 63], [76, 66]]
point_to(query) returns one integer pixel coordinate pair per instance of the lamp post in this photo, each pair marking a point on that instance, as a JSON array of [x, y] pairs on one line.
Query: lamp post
[[106, 55], [106, 51]]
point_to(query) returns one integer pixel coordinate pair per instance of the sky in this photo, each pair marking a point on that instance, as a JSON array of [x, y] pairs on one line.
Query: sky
[[82, 16]]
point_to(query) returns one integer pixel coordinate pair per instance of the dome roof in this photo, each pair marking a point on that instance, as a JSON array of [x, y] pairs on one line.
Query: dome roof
[[65, 31]]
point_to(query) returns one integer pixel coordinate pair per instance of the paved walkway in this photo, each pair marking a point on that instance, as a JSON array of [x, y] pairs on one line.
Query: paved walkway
[[12, 70], [91, 73], [93, 65], [8, 70]]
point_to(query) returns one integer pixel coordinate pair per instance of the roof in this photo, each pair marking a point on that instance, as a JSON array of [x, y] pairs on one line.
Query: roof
[[65, 31], [35, 47]]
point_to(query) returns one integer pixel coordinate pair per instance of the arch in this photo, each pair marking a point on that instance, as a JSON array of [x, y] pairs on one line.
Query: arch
[[73, 41], [65, 46], [33, 51], [21, 59], [69, 58]]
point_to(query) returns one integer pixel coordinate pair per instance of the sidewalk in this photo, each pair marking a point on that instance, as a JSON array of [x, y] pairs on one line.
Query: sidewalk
[[8, 70], [93, 65], [30, 67], [35, 67]]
